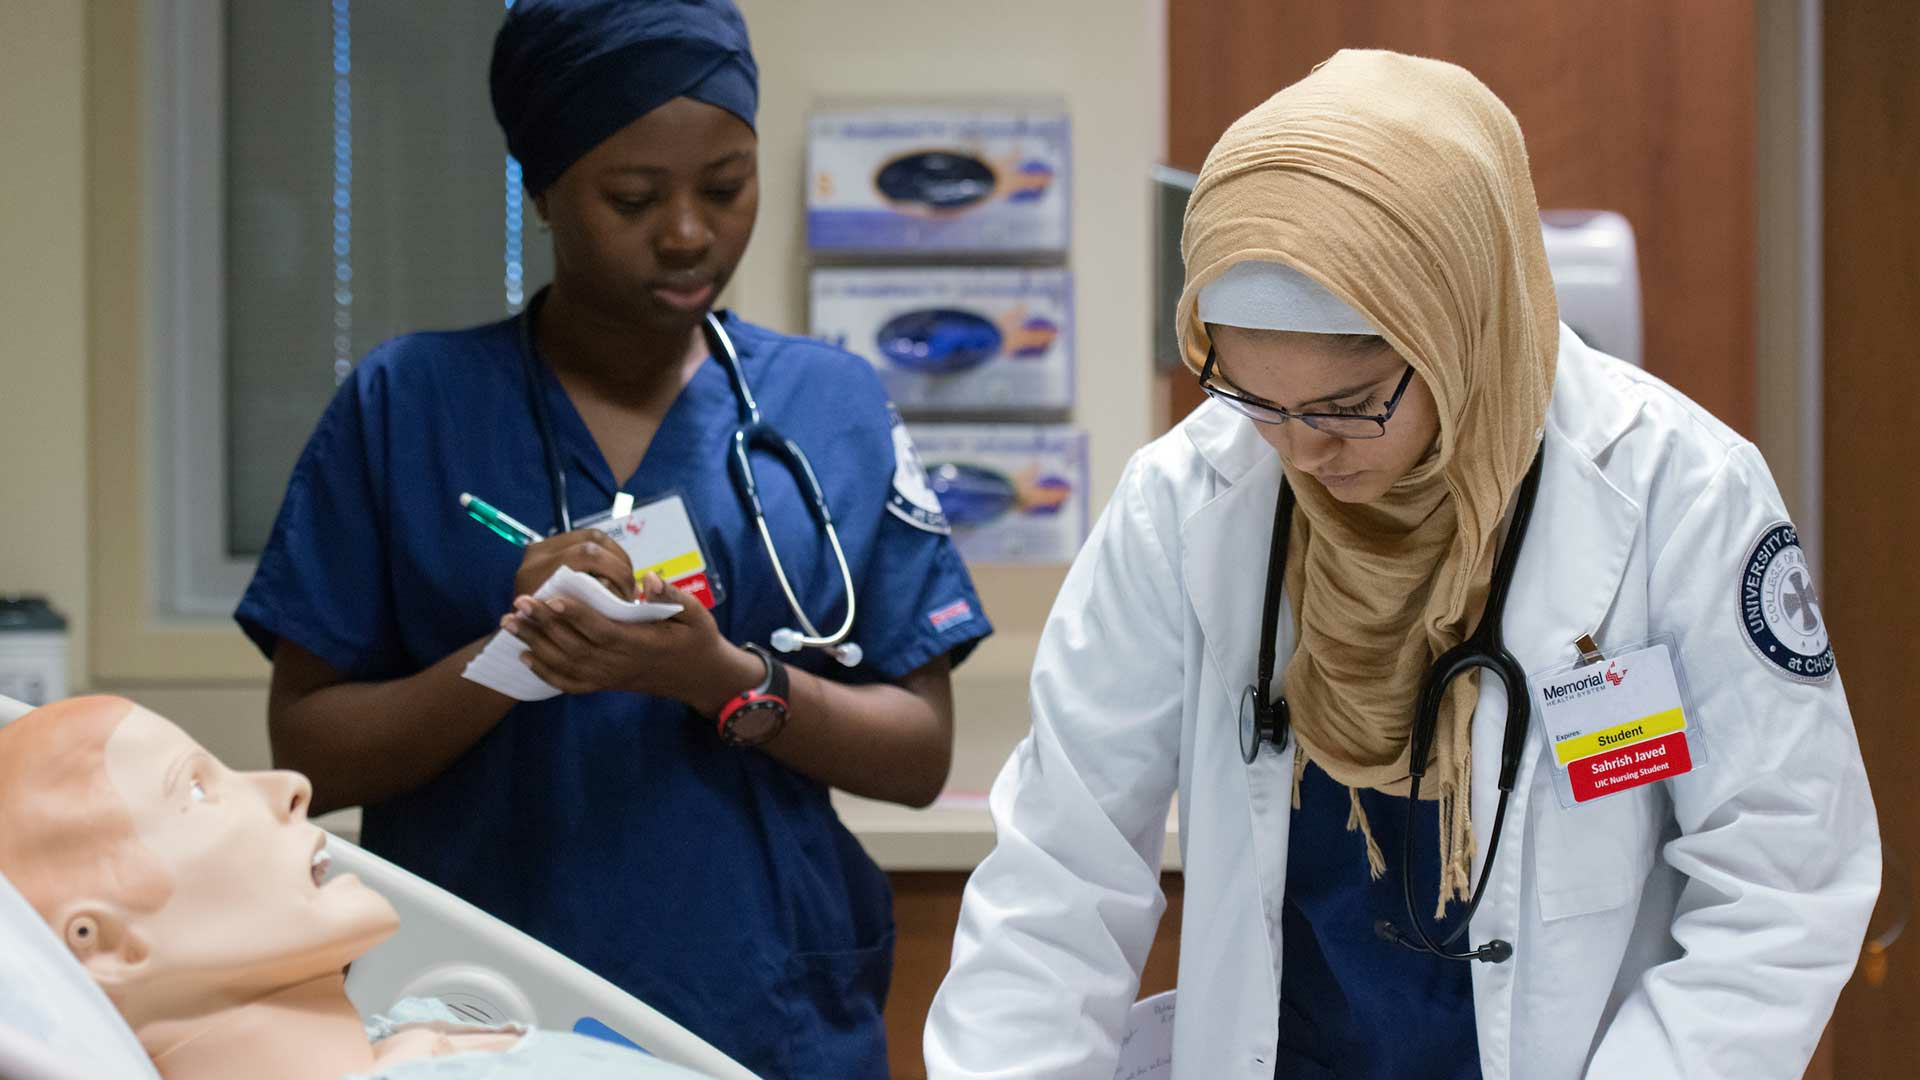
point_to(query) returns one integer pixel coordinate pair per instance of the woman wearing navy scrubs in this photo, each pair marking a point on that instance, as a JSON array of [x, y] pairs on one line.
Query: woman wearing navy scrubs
[[711, 880]]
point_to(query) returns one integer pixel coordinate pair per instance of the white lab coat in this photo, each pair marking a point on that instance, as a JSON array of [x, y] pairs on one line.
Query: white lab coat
[[1700, 927]]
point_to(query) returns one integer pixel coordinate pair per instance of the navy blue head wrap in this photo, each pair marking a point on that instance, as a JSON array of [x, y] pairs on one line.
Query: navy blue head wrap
[[567, 74]]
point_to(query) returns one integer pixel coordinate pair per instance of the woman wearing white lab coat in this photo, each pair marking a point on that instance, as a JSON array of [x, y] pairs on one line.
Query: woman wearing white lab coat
[[1699, 926]]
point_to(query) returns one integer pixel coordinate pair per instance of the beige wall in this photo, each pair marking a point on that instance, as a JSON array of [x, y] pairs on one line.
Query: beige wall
[[43, 392], [1104, 57]]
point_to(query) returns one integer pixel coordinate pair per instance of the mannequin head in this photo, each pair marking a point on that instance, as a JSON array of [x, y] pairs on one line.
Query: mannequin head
[[183, 887]]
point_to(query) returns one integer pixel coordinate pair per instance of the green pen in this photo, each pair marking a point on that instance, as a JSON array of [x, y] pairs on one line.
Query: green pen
[[503, 526]]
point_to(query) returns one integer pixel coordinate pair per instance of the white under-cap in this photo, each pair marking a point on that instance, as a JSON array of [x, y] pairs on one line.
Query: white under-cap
[[1275, 296]]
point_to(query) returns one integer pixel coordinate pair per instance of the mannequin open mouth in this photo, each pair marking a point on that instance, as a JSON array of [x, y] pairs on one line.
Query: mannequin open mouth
[[321, 864]]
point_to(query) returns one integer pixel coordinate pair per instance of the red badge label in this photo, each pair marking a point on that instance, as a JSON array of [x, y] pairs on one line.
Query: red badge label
[[1631, 767], [695, 585]]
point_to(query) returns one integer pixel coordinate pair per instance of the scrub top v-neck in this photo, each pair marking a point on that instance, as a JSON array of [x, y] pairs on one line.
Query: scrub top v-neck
[[713, 883], [706, 403]]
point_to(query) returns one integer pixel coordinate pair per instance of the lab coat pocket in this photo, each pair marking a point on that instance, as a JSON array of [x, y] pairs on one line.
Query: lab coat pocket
[[834, 1006], [1594, 856]]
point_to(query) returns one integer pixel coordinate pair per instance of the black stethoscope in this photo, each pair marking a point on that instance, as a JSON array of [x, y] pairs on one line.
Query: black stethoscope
[[752, 432], [1266, 719]]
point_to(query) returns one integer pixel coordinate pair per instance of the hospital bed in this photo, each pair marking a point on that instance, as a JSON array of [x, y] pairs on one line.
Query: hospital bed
[[55, 1024]]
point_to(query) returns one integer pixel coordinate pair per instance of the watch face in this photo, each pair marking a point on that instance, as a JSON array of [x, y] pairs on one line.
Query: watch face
[[756, 723]]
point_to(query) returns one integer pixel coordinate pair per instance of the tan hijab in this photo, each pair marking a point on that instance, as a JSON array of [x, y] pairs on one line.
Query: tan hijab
[[1401, 185]]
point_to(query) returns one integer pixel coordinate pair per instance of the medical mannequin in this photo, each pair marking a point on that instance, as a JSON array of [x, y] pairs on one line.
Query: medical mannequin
[[192, 895]]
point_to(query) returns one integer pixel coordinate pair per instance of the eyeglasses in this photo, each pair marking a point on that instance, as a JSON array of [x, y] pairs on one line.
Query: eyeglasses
[[1260, 411]]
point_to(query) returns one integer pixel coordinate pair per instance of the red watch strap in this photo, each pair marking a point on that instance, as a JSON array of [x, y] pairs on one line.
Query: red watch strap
[[746, 698], [769, 692]]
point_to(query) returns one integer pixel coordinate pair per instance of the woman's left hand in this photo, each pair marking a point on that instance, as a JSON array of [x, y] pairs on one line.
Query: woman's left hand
[[577, 650]]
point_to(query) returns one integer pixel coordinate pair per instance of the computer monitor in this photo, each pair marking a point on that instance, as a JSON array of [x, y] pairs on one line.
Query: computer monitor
[[1170, 190]]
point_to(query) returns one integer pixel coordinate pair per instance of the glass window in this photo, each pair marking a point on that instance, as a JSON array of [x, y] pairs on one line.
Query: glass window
[[328, 175]]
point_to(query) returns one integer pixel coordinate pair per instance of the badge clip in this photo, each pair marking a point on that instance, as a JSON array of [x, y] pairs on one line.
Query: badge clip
[[1589, 650], [1620, 724]]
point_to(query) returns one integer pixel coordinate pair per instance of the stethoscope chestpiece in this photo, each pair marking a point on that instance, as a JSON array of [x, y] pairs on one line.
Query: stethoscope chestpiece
[[1262, 722]]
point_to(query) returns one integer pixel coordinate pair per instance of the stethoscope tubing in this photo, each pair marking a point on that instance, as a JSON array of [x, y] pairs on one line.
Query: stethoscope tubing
[[752, 431], [1485, 648]]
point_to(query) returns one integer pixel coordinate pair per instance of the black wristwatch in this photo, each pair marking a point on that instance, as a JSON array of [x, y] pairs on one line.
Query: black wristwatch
[[756, 715]]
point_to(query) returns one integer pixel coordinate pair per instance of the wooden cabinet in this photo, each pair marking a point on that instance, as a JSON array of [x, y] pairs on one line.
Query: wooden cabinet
[[1871, 267], [926, 907]]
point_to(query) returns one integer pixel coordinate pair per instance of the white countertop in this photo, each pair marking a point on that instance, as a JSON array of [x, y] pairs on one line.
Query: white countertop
[[990, 707], [953, 834]]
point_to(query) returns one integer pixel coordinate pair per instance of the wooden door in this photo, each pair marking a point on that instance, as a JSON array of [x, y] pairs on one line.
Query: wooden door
[[1641, 106], [1871, 268], [926, 908]]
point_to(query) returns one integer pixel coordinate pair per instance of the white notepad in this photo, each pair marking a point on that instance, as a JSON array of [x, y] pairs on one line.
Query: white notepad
[[498, 667]]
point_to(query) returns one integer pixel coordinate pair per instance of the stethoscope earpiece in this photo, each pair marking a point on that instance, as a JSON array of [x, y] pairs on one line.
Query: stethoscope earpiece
[[788, 640]]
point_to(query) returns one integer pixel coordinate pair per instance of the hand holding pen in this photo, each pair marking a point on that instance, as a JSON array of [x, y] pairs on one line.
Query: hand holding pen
[[588, 551], [504, 527]]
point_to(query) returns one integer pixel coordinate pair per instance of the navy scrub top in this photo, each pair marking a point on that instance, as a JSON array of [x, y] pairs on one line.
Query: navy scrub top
[[712, 883], [1352, 1006]]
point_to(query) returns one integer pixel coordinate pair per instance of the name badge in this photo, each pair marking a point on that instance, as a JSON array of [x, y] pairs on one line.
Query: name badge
[[1618, 723], [659, 537]]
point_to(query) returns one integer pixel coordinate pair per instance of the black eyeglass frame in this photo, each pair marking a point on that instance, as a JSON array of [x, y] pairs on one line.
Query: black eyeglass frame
[[1254, 408]]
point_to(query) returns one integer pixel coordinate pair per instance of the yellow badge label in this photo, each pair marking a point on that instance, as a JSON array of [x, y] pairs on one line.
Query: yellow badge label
[[1647, 727]]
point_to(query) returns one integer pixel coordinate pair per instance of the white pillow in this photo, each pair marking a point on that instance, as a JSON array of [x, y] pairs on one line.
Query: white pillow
[[46, 996], [11, 709]]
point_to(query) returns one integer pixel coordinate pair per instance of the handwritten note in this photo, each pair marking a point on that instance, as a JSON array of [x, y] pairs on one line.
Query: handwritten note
[[1146, 1050], [498, 666]]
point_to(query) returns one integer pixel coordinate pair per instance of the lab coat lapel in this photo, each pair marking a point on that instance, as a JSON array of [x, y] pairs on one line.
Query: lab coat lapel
[[1224, 549], [1225, 546], [1571, 564]]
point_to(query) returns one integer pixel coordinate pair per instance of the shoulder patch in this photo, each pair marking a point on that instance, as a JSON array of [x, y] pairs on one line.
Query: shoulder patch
[[912, 499], [1780, 608]]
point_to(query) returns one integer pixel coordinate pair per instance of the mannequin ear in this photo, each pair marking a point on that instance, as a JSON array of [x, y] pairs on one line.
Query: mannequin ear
[[105, 943]]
